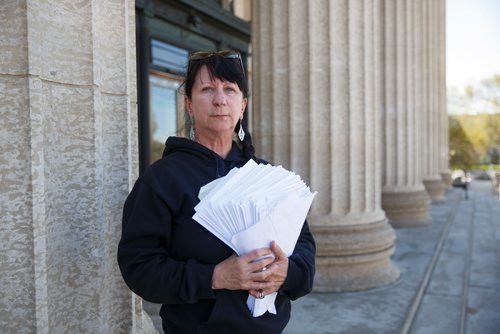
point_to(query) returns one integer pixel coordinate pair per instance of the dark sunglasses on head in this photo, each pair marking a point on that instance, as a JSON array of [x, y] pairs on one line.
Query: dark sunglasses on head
[[228, 54]]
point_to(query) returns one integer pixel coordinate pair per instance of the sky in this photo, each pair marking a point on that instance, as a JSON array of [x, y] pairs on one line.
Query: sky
[[472, 41]]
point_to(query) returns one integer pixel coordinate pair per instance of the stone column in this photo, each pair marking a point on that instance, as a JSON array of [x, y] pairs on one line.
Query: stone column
[[432, 178], [404, 198], [317, 73], [69, 154], [444, 167]]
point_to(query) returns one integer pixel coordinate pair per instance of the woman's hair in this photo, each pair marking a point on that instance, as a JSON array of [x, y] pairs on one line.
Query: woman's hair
[[225, 69]]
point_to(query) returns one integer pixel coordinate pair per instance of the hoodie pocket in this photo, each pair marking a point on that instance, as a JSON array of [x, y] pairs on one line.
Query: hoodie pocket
[[229, 314]]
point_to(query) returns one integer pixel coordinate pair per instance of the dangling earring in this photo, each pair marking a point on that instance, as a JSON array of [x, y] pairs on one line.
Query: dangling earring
[[192, 134], [241, 133]]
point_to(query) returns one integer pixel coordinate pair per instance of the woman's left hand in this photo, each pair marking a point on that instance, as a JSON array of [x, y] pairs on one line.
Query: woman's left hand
[[276, 272]]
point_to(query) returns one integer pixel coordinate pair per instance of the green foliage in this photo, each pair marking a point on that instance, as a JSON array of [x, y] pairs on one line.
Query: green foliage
[[462, 152], [486, 167], [156, 150], [474, 139], [475, 134]]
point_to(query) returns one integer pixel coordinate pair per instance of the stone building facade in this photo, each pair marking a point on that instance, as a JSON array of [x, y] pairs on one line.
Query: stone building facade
[[350, 94]]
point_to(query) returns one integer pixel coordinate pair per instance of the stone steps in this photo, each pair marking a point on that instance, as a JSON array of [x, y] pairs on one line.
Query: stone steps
[[450, 278], [464, 292], [440, 308], [450, 281]]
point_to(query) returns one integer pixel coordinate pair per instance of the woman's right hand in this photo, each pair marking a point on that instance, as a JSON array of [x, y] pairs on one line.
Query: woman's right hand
[[243, 272]]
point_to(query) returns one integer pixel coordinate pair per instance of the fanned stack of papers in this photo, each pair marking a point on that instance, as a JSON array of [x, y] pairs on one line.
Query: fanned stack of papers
[[252, 206]]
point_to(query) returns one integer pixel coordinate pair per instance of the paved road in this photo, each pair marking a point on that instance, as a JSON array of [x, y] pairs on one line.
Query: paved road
[[450, 278]]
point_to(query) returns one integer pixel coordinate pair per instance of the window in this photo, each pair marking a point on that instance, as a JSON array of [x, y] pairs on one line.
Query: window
[[166, 111], [166, 115]]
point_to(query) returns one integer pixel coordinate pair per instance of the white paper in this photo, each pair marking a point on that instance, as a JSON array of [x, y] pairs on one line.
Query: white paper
[[252, 206], [283, 226]]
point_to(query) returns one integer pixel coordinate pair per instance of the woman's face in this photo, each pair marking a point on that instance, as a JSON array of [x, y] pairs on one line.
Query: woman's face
[[215, 105]]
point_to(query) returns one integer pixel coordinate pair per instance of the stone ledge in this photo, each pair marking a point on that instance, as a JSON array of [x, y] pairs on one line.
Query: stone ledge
[[435, 187], [407, 208], [357, 257]]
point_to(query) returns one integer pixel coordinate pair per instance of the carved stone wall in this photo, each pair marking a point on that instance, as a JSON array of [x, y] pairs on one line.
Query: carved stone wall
[[68, 151]]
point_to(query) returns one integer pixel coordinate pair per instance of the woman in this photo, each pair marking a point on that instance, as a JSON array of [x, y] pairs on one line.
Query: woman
[[166, 257]]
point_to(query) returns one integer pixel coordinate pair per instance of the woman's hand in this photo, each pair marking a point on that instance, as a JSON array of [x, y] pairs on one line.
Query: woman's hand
[[244, 272], [275, 273]]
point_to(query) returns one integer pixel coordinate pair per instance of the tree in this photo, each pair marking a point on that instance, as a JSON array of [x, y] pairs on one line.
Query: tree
[[476, 122], [462, 152], [480, 98]]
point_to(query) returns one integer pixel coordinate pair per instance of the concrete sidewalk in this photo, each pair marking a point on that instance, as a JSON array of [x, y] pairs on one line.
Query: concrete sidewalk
[[450, 278]]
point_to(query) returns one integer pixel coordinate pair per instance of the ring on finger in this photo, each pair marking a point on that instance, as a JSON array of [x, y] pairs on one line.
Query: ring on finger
[[263, 269], [261, 294]]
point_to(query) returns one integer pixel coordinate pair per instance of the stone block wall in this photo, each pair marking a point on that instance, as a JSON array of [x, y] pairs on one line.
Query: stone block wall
[[68, 150]]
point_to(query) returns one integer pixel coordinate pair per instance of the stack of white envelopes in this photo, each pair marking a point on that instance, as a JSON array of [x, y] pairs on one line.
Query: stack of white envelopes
[[252, 206]]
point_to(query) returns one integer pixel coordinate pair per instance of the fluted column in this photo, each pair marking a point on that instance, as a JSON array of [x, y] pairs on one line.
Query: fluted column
[[404, 198], [431, 174], [317, 74], [444, 167], [68, 149]]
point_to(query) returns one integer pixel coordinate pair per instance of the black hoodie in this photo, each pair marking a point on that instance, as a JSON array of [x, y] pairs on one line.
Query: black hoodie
[[166, 257]]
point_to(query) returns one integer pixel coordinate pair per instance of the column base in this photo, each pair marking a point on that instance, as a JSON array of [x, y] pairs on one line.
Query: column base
[[354, 257], [435, 187], [407, 208], [446, 177]]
